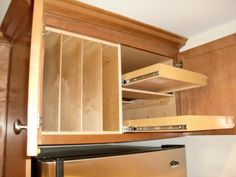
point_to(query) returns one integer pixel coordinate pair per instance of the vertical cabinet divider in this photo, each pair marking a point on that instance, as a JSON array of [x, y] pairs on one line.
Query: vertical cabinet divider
[[71, 84], [92, 86], [81, 87], [51, 77]]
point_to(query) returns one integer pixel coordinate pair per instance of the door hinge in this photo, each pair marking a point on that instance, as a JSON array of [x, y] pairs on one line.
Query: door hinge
[[178, 64]]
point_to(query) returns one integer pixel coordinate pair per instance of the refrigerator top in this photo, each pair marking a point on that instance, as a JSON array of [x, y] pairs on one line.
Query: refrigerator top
[[93, 151]]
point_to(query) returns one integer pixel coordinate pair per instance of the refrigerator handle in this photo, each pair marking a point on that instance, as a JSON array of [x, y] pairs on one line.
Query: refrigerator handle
[[174, 163]]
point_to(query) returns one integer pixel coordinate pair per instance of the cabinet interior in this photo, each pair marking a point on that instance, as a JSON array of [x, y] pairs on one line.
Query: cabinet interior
[[80, 84], [149, 101], [93, 86], [143, 103]]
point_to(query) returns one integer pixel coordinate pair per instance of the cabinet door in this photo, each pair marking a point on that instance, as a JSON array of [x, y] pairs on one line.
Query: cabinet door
[[35, 79]]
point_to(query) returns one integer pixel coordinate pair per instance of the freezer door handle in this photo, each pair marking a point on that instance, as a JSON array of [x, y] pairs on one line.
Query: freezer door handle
[[174, 163]]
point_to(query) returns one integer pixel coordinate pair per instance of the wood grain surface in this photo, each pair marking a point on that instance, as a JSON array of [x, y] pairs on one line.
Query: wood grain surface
[[15, 154], [103, 138], [88, 20], [4, 68], [217, 61], [99, 17]]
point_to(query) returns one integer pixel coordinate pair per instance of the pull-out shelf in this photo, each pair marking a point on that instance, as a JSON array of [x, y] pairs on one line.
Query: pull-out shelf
[[178, 124], [163, 78]]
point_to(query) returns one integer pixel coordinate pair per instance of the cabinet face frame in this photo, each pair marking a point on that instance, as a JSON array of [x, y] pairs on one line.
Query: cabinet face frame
[[35, 79]]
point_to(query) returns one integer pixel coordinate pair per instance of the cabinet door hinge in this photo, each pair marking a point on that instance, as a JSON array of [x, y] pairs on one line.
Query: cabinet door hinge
[[178, 64]]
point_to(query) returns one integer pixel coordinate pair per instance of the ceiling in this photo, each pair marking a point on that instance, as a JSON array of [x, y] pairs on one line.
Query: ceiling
[[184, 17]]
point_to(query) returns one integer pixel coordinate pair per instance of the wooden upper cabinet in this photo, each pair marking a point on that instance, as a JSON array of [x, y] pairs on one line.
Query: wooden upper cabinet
[[87, 86]]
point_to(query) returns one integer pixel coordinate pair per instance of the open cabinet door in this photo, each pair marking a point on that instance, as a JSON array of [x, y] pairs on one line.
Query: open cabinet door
[[35, 79]]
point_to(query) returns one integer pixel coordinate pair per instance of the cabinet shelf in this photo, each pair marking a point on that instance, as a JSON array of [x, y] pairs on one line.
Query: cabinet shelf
[[142, 94], [163, 78], [179, 123]]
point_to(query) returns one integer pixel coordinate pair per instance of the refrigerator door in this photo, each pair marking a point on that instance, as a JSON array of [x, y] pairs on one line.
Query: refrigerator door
[[166, 163]]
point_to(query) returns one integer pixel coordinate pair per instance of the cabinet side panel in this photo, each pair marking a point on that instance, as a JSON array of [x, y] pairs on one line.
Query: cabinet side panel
[[92, 86], [71, 84], [216, 60], [51, 77], [110, 88]]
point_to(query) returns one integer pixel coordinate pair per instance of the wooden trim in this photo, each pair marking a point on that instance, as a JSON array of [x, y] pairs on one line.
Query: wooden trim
[[91, 21], [109, 35], [19, 15], [80, 36], [210, 47], [103, 138], [93, 15]]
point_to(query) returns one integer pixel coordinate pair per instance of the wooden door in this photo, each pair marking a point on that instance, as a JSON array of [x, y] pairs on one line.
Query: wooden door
[[15, 148]]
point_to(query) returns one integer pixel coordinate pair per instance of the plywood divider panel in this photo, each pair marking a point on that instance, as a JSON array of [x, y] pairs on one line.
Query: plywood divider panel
[[147, 109], [111, 91], [71, 84], [51, 77], [92, 86]]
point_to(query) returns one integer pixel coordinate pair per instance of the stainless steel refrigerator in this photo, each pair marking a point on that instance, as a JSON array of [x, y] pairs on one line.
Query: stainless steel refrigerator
[[110, 161]]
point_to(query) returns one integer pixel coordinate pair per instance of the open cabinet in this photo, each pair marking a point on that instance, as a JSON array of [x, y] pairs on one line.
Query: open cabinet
[[149, 95], [81, 87]]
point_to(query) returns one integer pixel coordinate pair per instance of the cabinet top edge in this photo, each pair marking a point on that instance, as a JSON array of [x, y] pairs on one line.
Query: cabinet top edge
[[56, 30], [97, 16]]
